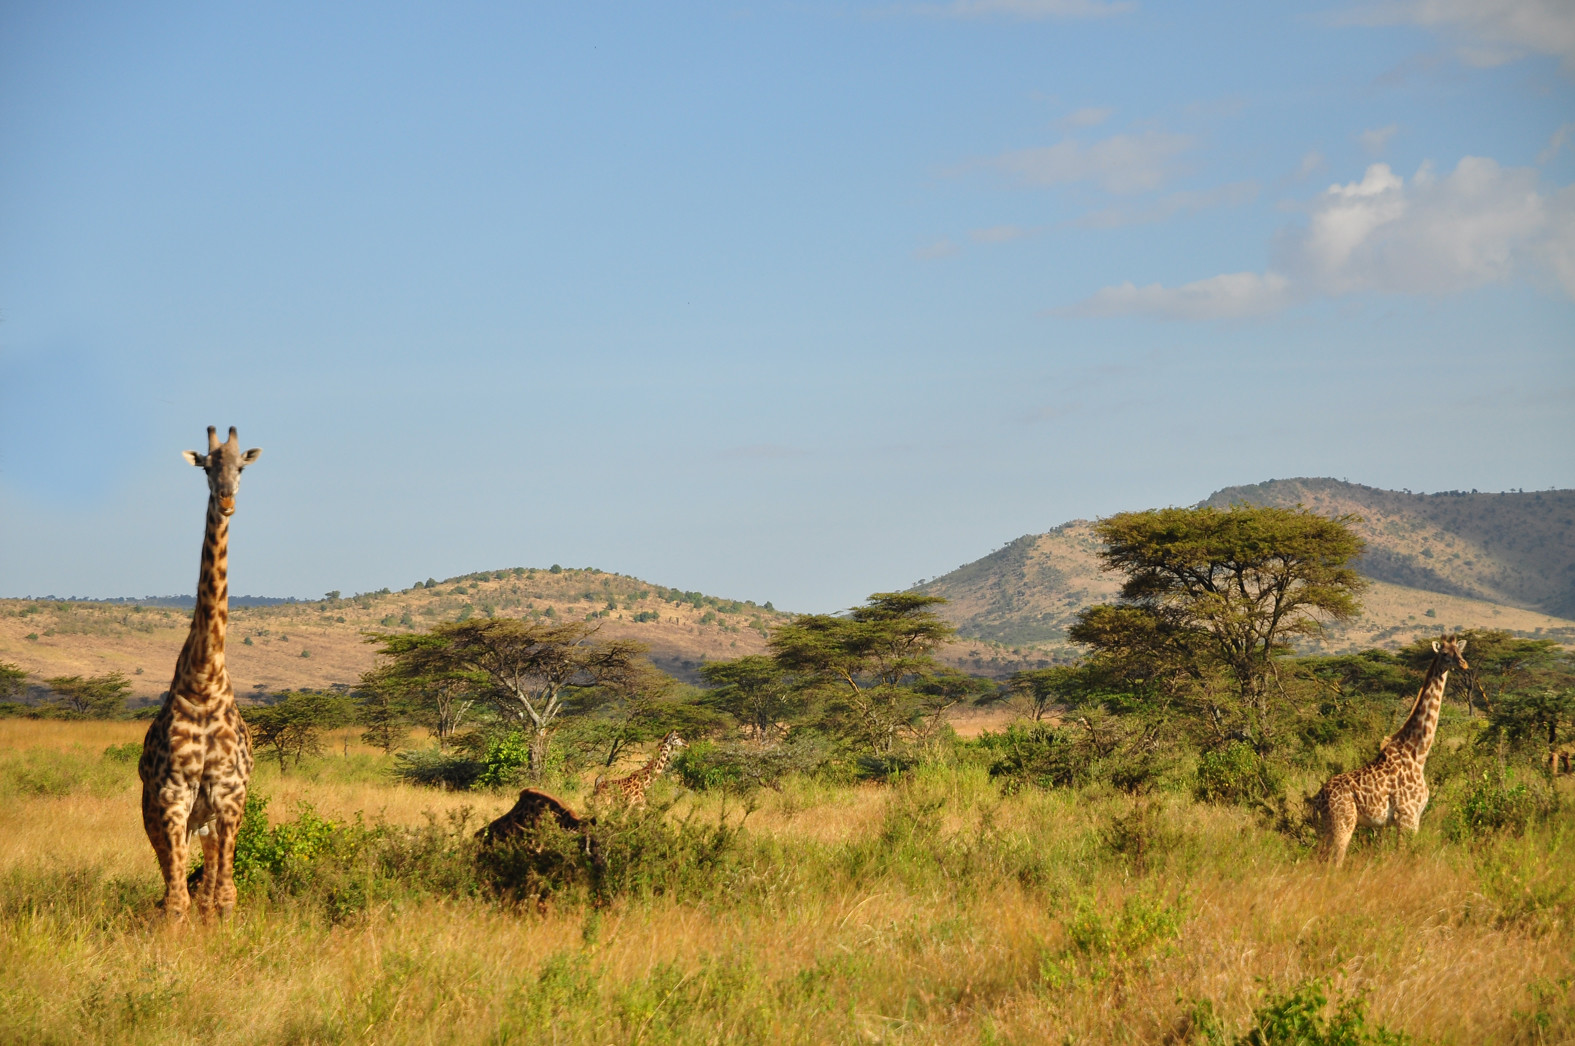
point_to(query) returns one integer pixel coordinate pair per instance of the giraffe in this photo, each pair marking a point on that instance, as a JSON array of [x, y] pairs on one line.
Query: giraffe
[[1390, 790], [197, 757], [632, 788]]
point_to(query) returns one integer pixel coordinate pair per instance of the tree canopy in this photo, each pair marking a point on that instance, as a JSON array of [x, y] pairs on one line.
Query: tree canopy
[[871, 666], [1210, 591], [527, 671], [91, 697]]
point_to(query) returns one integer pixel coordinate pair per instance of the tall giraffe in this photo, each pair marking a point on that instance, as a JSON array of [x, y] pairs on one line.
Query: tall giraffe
[[197, 757], [632, 788], [1390, 790]]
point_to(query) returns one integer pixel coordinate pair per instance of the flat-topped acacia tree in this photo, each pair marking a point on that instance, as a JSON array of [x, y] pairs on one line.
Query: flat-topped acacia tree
[[1209, 589], [527, 670], [876, 664]]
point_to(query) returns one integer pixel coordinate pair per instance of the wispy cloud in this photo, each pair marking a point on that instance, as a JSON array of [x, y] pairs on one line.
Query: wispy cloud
[[1376, 139], [1480, 224], [760, 451], [998, 234], [942, 248], [1486, 32], [1219, 297], [1028, 10], [1558, 141], [1121, 163], [1171, 205], [1088, 116], [1311, 164]]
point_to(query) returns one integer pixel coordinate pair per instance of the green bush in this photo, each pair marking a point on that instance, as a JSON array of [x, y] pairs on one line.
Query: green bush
[[1493, 803], [503, 760], [741, 767], [1236, 774], [1299, 1018], [130, 752], [434, 769]]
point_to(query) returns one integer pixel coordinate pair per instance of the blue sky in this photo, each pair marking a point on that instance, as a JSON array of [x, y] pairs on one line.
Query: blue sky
[[793, 302]]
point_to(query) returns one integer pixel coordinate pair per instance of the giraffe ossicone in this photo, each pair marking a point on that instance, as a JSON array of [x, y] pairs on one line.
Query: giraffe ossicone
[[1392, 789], [197, 758]]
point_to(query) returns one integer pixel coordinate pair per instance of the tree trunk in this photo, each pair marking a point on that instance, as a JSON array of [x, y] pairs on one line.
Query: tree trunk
[[538, 753]]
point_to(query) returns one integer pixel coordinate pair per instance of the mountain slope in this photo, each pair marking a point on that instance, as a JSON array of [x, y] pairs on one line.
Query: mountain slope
[[1437, 561], [1517, 549], [321, 643]]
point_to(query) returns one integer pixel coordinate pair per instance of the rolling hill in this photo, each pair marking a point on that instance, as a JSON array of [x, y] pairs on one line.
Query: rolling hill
[[1437, 561], [321, 643]]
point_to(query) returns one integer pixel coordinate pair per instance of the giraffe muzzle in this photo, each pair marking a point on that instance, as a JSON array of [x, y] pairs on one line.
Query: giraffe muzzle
[[227, 506]]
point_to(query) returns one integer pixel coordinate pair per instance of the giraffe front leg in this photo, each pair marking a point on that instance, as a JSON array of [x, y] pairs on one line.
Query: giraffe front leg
[[164, 814], [1339, 826], [210, 863], [226, 828]]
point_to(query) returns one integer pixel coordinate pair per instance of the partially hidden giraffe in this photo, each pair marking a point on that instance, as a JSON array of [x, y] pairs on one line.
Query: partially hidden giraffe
[[197, 758], [631, 789], [1390, 790]]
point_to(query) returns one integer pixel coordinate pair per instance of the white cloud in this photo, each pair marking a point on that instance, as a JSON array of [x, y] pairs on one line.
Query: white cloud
[[1311, 164], [1475, 226], [1480, 224], [1170, 205], [1230, 296], [1030, 10], [1375, 139], [942, 248], [1122, 163], [1490, 32], [1088, 116], [998, 234], [1558, 141]]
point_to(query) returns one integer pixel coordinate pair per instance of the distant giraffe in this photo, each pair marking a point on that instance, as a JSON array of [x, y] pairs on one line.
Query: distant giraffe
[[197, 757], [1390, 790], [632, 788]]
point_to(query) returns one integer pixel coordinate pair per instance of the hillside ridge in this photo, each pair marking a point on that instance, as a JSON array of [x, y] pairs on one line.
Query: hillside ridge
[[1453, 559]]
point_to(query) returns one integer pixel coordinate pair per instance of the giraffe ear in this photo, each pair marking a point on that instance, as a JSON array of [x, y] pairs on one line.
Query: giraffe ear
[[1435, 646], [1460, 646], [250, 456], [200, 460]]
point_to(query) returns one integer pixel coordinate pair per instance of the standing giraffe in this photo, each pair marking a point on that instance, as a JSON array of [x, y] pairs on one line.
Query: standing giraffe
[[197, 758], [1390, 790], [632, 788]]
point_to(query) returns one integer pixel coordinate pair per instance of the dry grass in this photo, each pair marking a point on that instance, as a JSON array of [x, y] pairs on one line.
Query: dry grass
[[938, 911]]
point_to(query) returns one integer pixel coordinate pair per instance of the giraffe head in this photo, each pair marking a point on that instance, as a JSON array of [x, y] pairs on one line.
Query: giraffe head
[[223, 464], [1452, 651]]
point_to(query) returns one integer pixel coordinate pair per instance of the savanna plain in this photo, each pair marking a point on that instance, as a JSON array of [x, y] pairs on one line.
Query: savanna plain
[[942, 904]]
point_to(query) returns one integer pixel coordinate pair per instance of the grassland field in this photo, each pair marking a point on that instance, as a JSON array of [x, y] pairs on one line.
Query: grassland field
[[940, 908]]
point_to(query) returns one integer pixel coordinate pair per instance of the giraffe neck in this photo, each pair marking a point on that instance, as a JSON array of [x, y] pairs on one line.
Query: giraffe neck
[[201, 663], [658, 762], [1416, 736]]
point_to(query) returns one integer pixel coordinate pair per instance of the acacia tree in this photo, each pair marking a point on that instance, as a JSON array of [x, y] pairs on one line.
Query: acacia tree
[[526, 670], [432, 696], [869, 664], [92, 697], [1210, 591], [293, 724], [12, 679], [755, 691]]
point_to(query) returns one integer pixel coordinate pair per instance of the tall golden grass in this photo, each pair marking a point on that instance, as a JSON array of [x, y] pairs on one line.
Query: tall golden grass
[[937, 910]]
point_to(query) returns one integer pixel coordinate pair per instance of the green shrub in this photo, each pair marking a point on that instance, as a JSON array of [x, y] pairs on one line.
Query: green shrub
[[503, 760], [1235, 774], [434, 769], [1300, 1018], [1492, 803], [737, 767], [1039, 755], [129, 752]]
